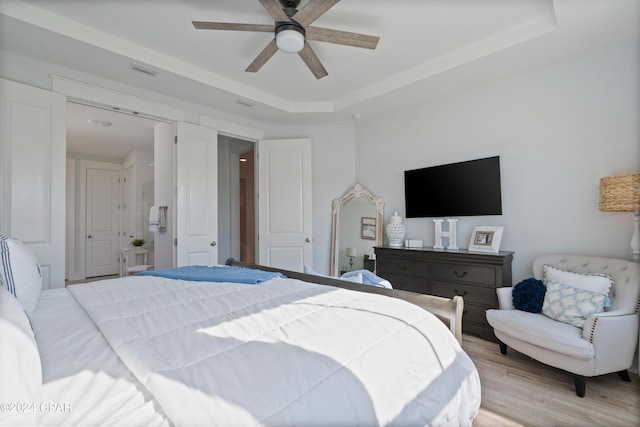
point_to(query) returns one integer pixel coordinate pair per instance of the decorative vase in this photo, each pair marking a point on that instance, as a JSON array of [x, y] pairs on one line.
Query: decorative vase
[[395, 230]]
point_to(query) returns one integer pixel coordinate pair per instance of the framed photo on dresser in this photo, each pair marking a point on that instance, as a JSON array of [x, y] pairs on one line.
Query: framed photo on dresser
[[486, 239]]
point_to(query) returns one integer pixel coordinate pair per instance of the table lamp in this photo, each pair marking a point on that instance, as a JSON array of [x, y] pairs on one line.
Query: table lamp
[[351, 253], [621, 193]]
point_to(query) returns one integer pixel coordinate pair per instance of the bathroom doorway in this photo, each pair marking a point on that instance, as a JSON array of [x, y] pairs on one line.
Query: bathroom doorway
[[110, 188]]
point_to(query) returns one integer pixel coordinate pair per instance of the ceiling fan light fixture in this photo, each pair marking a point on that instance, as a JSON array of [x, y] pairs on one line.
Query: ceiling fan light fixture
[[289, 38]]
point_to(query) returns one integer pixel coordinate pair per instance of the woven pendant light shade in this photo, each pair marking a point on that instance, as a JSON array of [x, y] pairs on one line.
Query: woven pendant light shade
[[620, 193]]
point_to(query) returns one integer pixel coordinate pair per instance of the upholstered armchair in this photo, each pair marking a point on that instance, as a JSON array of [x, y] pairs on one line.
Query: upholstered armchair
[[607, 341]]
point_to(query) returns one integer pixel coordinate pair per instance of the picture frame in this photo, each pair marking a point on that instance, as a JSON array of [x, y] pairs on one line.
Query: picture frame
[[368, 228], [486, 239]]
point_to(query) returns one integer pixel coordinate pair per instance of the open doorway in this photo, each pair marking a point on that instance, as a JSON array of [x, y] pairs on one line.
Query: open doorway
[[128, 146], [236, 199], [247, 207], [110, 188]]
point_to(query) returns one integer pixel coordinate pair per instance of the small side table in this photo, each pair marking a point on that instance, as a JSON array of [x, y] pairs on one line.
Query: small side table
[[124, 257]]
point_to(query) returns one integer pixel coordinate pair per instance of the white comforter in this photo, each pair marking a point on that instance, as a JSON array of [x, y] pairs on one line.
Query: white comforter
[[284, 352]]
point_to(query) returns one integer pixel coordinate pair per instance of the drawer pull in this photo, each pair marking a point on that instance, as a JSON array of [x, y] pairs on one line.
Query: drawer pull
[[459, 275], [464, 293], [401, 267]]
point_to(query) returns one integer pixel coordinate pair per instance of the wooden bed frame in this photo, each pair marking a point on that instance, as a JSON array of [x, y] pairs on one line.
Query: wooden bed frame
[[449, 310]]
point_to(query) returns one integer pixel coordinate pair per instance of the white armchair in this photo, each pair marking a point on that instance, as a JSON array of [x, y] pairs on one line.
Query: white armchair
[[608, 340]]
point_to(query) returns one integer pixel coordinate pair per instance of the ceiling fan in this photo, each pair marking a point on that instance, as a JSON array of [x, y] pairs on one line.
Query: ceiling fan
[[292, 29]]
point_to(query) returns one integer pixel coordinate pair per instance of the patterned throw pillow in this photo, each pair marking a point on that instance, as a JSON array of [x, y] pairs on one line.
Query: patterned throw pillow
[[571, 305]]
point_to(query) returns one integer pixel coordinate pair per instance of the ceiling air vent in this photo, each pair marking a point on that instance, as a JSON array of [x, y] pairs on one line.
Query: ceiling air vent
[[246, 102], [142, 69]]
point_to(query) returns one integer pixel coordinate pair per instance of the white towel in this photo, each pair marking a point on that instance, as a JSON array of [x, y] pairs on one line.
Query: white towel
[[154, 219]]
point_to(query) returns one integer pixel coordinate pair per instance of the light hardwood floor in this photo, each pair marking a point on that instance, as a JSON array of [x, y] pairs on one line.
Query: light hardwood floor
[[91, 279], [519, 391]]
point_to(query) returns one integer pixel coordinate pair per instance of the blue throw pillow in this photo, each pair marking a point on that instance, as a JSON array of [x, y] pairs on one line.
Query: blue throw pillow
[[528, 295]]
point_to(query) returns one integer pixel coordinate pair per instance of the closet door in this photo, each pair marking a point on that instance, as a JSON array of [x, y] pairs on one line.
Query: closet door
[[32, 174], [285, 211], [197, 179]]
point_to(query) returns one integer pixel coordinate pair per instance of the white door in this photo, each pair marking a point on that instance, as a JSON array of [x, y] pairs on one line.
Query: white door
[[32, 174], [284, 197], [197, 188], [102, 226]]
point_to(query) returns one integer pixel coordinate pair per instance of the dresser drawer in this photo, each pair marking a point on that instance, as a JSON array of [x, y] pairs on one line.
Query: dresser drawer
[[403, 267], [405, 283], [475, 313], [474, 293], [463, 273]]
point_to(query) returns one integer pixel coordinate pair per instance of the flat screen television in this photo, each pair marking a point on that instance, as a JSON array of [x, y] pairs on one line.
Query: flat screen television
[[458, 189]]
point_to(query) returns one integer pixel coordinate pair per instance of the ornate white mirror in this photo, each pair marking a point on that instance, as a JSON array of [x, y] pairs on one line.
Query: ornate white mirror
[[356, 229]]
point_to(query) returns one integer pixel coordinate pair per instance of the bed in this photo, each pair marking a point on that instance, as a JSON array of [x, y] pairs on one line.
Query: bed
[[286, 350]]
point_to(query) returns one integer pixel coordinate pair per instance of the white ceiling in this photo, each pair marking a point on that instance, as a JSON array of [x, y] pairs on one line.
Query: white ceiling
[[427, 48], [125, 134]]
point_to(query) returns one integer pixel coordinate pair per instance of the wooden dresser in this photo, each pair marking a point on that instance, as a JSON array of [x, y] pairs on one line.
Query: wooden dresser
[[472, 275]]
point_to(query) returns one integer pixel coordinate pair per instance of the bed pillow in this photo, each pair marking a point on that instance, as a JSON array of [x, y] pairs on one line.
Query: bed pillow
[[594, 282], [20, 366], [20, 272], [528, 295], [355, 278], [368, 278], [570, 304]]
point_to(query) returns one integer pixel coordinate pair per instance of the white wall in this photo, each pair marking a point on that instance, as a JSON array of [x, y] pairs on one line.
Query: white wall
[[558, 129]]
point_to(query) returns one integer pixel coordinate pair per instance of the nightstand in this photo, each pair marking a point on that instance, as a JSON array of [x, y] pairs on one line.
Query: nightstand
[[125, 253]]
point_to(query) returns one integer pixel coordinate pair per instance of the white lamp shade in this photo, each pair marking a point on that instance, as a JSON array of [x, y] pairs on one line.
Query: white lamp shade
[[352, 252], [290, 41]]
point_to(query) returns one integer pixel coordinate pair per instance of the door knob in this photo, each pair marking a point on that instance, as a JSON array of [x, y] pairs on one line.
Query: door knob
[[213, 243], [89, 236], [308, 240]]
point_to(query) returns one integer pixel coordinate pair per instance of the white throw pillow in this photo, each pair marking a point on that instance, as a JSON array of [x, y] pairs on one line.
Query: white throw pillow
[[357, 278], [593, 282], [20, 366], [20, 272]]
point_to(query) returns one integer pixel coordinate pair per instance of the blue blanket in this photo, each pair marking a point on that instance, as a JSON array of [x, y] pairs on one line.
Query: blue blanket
[[225, 273]]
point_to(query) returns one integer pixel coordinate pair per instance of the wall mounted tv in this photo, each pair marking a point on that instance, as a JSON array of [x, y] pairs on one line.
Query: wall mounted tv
[[458, 189]]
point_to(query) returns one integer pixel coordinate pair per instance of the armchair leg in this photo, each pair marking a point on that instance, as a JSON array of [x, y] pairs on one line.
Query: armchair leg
[[624, 375], [581, 384], [503, 347]]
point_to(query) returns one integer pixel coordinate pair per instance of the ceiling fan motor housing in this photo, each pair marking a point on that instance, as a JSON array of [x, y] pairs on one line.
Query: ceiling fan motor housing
[[290, 3], [290, 36]]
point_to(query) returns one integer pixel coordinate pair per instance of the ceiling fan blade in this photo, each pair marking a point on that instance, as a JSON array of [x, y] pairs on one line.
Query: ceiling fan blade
[[311, 59], [263, 57], [201, 25], [313, 10], [342, 37], [275, 10]]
